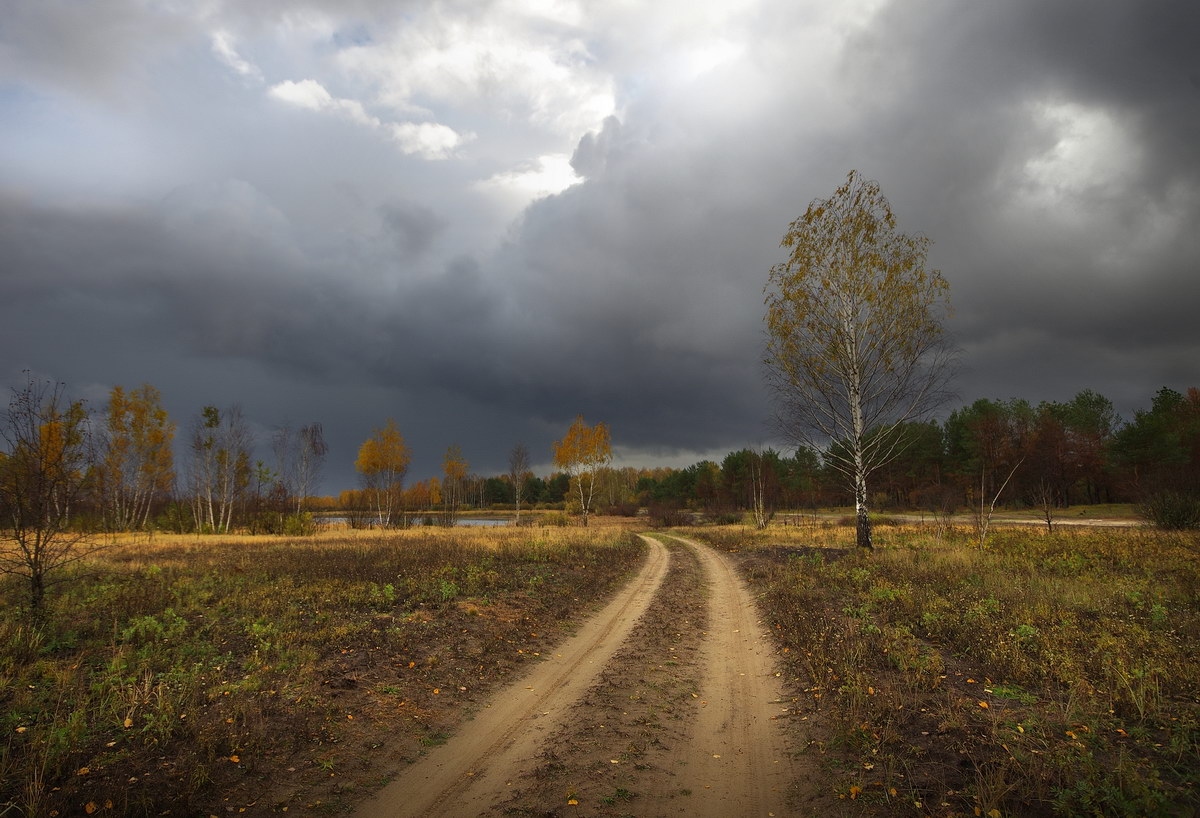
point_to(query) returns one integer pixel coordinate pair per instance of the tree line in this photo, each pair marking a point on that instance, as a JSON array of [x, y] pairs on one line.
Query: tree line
[[1009, 453], [66, 472], [120, 471], [126, 466]]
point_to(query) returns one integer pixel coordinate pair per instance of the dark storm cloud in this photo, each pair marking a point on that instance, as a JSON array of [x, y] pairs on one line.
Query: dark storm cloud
[[304, 259], [415, 227]]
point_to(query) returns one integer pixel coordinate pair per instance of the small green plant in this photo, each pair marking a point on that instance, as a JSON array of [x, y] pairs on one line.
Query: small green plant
[[1158, 615], [621, 794], [447, 589], [1015, 693], [1024, 634]]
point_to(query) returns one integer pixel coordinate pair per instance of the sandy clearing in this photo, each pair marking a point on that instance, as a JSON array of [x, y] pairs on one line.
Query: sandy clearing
[[472, 770]]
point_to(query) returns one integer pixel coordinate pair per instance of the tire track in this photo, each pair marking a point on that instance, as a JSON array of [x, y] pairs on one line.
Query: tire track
[[738, 761], [686, 717], [468, 773]]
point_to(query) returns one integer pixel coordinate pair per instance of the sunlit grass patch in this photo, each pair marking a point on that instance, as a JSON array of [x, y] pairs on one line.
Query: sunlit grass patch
[[1045, 673], [178, 655]]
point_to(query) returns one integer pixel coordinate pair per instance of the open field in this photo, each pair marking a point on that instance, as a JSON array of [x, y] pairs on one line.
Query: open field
[[1046, 674], [255, 674]]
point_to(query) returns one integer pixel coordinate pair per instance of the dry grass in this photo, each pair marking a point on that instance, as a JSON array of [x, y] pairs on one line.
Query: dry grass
[[196, 673], [1046, 674]]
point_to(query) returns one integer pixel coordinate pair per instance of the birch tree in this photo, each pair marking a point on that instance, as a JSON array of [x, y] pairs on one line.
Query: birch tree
[[582, 453], [454, 471], [855, 345], [137, 463], [518, 472], [221, 468], [382, 464], [299, 457]]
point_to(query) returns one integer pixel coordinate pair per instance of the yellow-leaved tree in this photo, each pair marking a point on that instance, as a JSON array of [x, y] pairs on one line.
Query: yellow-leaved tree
[[582, 453], [382, 463], [454, 467], [137, 466], [855, 346]]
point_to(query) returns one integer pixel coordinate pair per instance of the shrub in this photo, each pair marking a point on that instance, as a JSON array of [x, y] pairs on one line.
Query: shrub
[[623, 509], [1171, 510], [667, 516]]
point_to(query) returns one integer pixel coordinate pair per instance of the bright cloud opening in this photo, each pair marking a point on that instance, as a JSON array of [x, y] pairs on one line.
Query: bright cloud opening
[[544, 176], [429, 140]]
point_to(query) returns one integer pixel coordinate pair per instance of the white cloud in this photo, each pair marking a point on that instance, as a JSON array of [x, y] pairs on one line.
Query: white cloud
[[223, 47], [308, 94], [429, 140], [500, 64]]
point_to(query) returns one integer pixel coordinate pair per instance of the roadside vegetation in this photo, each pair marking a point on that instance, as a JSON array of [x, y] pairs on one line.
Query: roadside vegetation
[[208, 675], [1046, 674]]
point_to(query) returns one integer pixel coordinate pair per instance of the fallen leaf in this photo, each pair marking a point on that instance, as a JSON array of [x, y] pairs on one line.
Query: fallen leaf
[[572, 802], [984, 705], [235, 759], [854, 791], [84, 771], [128, 722]]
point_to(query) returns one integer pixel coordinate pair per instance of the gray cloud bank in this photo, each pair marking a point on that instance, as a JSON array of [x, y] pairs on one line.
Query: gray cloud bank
[[305, 213]]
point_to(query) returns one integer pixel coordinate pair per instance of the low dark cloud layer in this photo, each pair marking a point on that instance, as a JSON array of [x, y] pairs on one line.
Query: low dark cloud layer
[[482, 220]]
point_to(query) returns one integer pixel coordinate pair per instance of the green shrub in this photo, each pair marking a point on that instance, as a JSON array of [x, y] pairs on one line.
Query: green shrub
[[1172, 510]]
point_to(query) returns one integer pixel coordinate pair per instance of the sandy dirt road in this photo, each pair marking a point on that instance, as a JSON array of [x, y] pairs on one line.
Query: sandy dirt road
[[737, 757], [667, 702]]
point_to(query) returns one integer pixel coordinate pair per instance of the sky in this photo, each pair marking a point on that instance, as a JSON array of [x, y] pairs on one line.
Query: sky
[[484, 218]]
